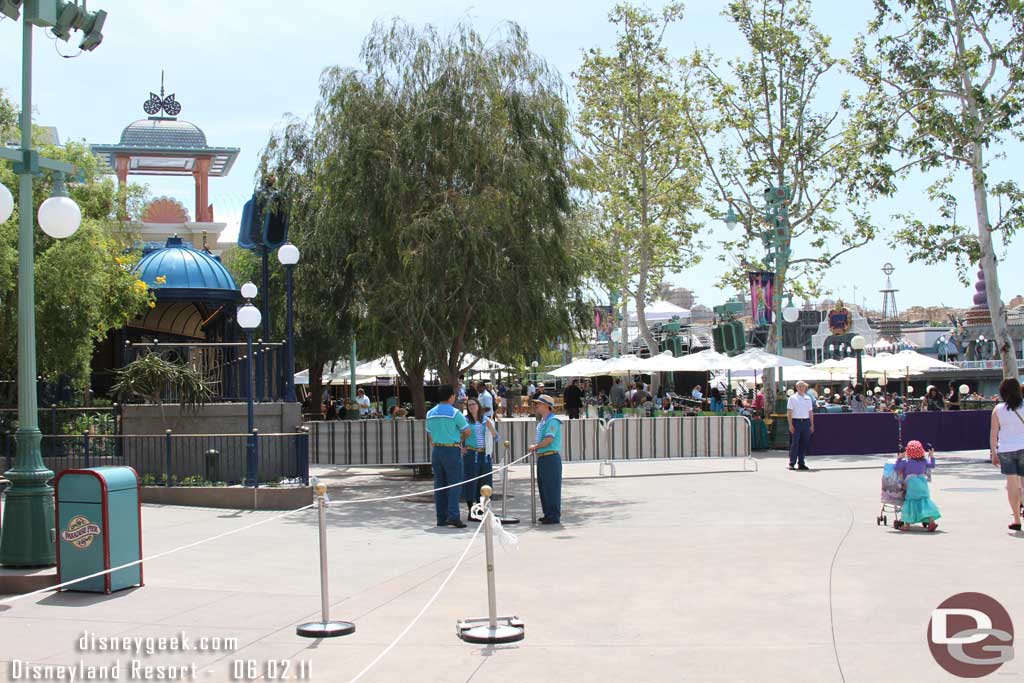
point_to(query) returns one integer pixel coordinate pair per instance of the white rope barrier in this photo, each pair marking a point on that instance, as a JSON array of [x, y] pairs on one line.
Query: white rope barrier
[[383, 653], [154, 557], [429, 491], [65, 584]]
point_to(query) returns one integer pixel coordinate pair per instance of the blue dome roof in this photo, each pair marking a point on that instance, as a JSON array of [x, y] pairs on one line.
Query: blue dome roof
[[163, 132], [185, 269]]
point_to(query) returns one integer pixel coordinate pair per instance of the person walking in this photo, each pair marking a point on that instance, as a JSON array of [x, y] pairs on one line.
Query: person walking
[[800, 413], [548, 448], [1006, 440], [617, 396], [476, 462], [573, 400], [512, 399], [447, 430]]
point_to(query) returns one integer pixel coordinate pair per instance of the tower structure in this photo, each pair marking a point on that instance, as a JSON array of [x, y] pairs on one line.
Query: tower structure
[[890, 327], [164, 145]]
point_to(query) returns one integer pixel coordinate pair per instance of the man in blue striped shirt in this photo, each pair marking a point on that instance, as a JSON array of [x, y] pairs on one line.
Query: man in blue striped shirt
[[447, 430]]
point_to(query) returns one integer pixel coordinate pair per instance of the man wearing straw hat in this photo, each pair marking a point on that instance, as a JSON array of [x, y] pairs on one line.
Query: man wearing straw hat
[[549, 460]]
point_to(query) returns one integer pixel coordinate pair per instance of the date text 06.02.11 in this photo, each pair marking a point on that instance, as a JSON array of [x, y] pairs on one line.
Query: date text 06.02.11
[[271, 670]]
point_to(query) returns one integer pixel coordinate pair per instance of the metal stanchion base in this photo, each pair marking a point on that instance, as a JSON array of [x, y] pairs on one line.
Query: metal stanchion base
[[331, 629], [508, 520], [508, 630]]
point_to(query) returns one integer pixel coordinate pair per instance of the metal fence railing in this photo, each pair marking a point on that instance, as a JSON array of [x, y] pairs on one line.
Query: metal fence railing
[[404, 442], [67, 420], [177, 459], [225, 366]]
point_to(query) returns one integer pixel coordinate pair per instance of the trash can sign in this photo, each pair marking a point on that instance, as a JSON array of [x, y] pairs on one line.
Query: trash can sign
[[80, 532]]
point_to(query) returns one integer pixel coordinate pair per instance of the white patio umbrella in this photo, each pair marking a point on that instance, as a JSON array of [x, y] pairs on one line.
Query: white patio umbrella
[[703, 361], [622, 365], [759, 359], [482, 365], [579, 367]]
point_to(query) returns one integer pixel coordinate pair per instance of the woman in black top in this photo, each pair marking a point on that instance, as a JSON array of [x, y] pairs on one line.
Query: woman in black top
[[953, 399]]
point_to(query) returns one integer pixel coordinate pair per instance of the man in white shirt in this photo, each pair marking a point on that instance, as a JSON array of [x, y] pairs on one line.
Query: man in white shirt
[[364, 403], [486, 399], [696, 393], [800, 413]]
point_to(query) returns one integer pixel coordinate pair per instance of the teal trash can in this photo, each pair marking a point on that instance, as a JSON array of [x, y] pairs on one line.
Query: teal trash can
[[99, 520]]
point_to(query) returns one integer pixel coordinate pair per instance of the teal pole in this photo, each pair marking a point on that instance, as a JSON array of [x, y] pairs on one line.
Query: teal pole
[[352, 371], [28, 511]]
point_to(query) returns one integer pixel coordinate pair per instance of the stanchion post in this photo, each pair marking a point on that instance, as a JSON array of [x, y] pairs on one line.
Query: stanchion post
[[489, 630], [325, 628], [505, 519], [533, 488]]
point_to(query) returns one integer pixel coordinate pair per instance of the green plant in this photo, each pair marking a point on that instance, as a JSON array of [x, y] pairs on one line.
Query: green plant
[[150, 376], [148, 479]]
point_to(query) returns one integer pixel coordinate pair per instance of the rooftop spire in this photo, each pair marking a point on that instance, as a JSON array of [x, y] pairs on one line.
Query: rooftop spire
[[155, 103]]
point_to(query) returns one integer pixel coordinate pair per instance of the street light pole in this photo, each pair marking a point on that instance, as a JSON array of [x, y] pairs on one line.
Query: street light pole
[[249, 317], [857, 344], [288, 255], [28, 517]]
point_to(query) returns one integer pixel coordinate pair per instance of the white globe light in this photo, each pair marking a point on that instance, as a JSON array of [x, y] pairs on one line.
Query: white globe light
[[858, 342], [59, 217], [6, 204], [882, 381], [964, 389], [789, 392], [288, 254], [791, 314], [910, 390], [249, 291], [534, 364], [827, 391], [249, 317]]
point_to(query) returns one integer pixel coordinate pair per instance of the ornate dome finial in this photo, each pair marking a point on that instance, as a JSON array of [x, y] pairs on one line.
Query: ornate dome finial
[[155, 103]]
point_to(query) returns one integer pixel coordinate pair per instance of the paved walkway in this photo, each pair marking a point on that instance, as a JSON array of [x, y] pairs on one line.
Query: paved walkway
[[710, 575]]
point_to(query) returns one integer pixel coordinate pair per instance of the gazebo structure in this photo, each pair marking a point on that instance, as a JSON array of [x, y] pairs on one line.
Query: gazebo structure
[[168, 146], [193, 319]]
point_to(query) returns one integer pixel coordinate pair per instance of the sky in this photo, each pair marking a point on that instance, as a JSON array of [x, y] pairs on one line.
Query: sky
[[239, 67]]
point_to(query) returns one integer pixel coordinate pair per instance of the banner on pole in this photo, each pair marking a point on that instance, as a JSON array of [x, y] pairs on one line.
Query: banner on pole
[[762, 288], [604, 322]]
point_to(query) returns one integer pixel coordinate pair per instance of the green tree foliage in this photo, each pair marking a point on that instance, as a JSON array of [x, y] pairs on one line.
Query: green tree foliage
[[946, 86], [761, 122], [446, 160], [638, 164], [84, 284]]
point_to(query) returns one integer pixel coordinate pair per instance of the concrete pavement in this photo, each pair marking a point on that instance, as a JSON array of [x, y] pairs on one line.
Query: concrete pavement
[[671, 571]]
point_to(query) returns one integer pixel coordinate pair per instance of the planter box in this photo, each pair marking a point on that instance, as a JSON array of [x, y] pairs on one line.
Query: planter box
[[230, 497]]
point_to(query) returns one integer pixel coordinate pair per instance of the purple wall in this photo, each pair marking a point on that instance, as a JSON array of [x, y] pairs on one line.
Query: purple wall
[[865, 433]]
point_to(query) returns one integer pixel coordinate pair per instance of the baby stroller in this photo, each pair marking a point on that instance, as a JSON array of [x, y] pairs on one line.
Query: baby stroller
[[893, 495]]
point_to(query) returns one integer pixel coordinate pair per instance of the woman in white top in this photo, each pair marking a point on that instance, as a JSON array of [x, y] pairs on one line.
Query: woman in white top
[[1007, 443]]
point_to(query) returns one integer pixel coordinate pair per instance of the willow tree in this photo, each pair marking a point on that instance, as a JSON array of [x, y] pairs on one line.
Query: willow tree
[[638, 164], [449, 154], [946, 86], [763, 120]]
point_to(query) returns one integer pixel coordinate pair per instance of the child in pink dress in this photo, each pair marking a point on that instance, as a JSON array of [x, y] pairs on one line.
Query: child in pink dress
[[918, 507]]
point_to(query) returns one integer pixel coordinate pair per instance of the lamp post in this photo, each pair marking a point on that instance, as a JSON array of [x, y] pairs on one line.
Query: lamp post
[[857, 344], [249, 318], [28, 517], [776, 240], [288, 255], [534, 365]]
